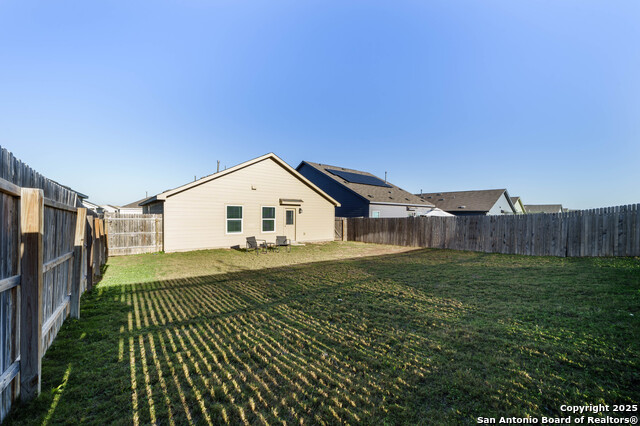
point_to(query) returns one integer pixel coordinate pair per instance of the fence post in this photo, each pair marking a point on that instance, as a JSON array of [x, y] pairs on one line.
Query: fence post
[[344, 229], [103, 243], [90, 248], [96, 247], [81, 220], [31, 262], [105, 231], [156, 229]]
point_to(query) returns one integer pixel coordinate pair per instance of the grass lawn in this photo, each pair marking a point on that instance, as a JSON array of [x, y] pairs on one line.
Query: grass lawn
[[344, 333]]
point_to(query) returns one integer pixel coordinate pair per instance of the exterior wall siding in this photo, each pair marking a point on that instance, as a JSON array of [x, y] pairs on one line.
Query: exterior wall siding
[[387, 210], [519, 207], [196, 218], [501, 205], [130, 210], [153, 208], [351, 205]]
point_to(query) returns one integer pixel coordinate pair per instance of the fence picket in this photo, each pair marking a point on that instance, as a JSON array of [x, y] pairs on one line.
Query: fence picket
[[611, 231], [40, 214], [142, 233]]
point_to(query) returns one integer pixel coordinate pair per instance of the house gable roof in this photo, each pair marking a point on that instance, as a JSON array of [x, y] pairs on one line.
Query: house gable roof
[[543, 208], [270, 156], [390, 194], [89, 203], [473, 201], [136, 204], [517, 200]]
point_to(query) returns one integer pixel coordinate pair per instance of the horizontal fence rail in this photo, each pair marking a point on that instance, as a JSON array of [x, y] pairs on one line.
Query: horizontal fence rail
[[610, 231], [133, 233], [51, 253]]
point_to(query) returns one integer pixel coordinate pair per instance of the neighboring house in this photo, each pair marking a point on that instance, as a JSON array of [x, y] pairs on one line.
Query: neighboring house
[[517, 204], [362, 194], [263, 197], [465, 203], [134, 208], [438, 212], [91, 206], [543, 208], [108, 208]]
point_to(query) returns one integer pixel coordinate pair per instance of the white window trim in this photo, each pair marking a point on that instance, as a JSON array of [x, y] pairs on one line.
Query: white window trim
[[275, 214], [226, 220]]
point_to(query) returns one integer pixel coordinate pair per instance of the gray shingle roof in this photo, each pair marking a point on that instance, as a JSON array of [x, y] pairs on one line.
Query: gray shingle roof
[[375, 194], [473, 201], [543, 208], [136, 203]]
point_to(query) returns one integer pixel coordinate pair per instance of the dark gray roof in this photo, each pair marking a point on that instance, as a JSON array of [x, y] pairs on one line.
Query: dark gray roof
[[136, 203], [375, 194], [543, 208], [465, 201], [514, 199]]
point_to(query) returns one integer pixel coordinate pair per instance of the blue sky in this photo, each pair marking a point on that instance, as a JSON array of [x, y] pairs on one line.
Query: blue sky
[[118, 98]]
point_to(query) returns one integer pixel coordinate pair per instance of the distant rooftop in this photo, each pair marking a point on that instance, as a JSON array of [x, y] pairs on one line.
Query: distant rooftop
[[543, 208], [136, 203], [472, 201], [368, 185]]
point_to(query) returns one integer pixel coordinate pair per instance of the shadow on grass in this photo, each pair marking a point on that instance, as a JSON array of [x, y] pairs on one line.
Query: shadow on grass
[[425, 336]]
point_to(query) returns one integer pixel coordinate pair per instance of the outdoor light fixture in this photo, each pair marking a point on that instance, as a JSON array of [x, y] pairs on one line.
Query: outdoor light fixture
[[300, 210]]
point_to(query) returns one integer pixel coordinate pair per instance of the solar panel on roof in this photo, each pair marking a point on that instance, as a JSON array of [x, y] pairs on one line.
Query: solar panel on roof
[[356, 178]]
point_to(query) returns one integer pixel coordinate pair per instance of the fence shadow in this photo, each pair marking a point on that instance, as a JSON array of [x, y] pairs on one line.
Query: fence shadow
[[363, 340]]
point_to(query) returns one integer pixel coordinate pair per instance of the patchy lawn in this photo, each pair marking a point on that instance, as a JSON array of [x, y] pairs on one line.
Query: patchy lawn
[[344, 332]]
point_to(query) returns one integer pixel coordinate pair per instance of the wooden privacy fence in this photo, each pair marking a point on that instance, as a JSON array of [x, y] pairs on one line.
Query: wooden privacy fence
[[611, 231], [50, 253], [133, 233]]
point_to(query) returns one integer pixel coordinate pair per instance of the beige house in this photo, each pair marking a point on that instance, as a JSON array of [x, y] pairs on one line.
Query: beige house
[[263, 197], [517, 204]]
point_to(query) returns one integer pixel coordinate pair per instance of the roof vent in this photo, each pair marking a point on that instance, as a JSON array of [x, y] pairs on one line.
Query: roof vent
[[391, 198], [370, 196], [441, 199], [439, 193], [406, 198], [462, 207]]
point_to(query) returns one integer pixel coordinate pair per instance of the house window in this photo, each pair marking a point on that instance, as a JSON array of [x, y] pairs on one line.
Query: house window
[[268, 219], [234, 219], [289, 217], [375, 213]]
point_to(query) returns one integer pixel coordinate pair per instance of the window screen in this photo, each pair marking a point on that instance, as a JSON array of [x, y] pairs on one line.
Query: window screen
[[268, 219], [234, 219]]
